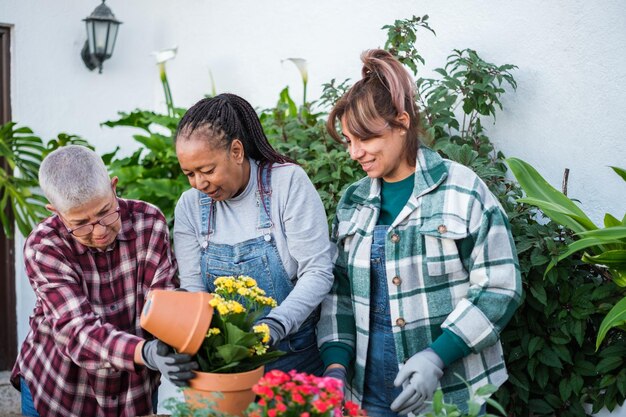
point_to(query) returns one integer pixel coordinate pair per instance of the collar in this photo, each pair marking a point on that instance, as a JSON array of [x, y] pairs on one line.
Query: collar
[[430, 171]]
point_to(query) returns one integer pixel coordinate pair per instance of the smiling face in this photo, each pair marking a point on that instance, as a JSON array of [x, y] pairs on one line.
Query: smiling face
[[97, 208], [217, 172], [381, 156]]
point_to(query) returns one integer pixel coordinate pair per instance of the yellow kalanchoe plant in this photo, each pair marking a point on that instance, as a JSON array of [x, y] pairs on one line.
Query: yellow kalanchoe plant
[[234, 343]]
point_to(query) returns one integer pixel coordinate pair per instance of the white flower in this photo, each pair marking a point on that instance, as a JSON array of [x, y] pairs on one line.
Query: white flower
[[302, 67], [165, 55]]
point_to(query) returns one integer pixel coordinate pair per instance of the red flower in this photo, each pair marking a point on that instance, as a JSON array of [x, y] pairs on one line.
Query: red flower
[[300, 395]]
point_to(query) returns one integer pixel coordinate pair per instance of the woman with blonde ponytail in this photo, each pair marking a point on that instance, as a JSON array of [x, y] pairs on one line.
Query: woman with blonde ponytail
[[426, 273]]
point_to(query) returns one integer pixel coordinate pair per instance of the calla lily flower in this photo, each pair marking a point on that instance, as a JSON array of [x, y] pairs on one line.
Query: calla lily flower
[[304, 72], [162, 57], [302, 67], [165, 55]]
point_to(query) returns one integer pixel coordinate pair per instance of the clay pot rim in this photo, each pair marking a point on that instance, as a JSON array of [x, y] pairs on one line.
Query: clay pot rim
[[220, 381]]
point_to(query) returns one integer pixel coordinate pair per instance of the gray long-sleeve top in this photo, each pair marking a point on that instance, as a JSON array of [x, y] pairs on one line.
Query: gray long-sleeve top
[[300, 232]]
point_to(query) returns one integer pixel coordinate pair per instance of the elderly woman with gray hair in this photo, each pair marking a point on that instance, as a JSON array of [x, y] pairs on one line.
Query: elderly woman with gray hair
[[91, 264]]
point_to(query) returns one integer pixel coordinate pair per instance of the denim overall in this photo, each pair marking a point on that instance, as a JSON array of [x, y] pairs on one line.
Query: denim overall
[[259, 259], [382, 364]]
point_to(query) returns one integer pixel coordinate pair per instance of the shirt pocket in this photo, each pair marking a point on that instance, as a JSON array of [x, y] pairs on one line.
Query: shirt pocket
[[441, 235]]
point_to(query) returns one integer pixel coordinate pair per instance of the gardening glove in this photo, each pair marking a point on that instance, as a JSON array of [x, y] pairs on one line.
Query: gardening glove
[[419, 378], [277, 330], [340, 373], [176, 367]]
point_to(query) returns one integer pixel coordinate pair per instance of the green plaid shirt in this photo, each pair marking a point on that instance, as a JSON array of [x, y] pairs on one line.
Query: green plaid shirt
[[450, 263]]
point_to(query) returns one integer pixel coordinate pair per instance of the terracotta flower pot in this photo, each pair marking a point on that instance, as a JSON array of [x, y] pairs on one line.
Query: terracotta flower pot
[[180, 319], [235, 389]]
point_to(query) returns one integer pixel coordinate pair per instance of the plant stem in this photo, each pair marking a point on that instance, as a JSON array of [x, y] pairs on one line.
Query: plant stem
[[166, 90]]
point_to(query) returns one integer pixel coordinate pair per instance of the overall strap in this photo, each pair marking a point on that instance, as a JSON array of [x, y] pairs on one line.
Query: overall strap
[[207, 217], [264, 197]]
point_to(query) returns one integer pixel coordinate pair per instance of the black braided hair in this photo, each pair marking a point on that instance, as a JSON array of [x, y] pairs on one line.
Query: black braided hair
[[227, 117]]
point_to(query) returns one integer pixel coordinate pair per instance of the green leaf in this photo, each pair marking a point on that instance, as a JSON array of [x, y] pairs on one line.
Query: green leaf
[[610, 221], [486, 390], [565, 389], [610, 258], [231, 353], [608, 234], [540, 406], [608, 364], [538, 189], [616, 317], [576, 382], [536, 344], [549, 358], [539, 292], [620, 171]]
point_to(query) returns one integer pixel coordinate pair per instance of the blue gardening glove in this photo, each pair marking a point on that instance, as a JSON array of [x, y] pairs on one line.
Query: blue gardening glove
[[176, 367], [419, 378], [277, 330]]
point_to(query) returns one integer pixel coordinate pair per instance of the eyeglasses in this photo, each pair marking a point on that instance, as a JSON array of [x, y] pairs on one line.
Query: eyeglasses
[[106, 220]]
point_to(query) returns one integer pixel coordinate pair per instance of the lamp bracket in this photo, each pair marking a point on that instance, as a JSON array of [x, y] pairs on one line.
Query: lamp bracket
[[90, 61]]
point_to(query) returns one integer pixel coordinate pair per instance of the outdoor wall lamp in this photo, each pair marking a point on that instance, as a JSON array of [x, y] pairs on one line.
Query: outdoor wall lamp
[[101, 34]]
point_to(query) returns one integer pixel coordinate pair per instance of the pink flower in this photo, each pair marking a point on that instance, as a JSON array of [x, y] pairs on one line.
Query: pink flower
[[321, 405], [297, 398], [300, 395]]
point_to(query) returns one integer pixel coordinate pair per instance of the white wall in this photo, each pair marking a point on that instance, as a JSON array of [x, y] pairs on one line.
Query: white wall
[[567, 112]]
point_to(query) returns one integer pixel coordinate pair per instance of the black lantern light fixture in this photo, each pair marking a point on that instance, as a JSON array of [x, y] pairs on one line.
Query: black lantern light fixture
[[101, 34]]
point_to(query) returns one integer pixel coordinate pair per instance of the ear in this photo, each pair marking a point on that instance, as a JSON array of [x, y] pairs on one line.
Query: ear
[[236, 151], [51, 208], [114, 181], [404, 119]]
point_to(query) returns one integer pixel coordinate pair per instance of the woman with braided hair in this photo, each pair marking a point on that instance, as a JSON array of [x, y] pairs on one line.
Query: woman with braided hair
[[252, 211], [426, 273]]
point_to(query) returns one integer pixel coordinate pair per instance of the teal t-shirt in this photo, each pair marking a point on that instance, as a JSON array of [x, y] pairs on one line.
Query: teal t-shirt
[[394, 196]]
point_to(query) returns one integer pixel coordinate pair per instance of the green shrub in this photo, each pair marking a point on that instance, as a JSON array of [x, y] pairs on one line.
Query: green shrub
[[22, 153], [549, 344]]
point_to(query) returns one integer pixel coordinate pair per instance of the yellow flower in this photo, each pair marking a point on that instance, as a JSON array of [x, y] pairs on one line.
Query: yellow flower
[[213, 331], [249, 282], [215, 301], [259, 349], [263, 329]]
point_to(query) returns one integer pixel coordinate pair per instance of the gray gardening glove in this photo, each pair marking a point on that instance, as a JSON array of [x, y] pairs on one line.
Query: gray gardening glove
[[277, 330], [176, 367], [419, 378], [339, 373]]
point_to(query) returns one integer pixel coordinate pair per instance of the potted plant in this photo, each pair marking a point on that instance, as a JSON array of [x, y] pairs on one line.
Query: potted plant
[[235, 349], [220, 330]]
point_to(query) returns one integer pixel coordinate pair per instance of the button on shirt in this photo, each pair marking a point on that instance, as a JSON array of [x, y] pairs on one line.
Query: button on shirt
[[78, 358]]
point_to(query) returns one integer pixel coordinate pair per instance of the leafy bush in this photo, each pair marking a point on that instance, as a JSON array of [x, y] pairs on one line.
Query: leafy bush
[[549, 343], [152, 172], [23, 152], [302, 136]]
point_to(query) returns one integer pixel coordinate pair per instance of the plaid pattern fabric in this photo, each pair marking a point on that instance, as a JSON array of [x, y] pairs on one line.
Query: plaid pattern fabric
[[450, 262], [78, 357]]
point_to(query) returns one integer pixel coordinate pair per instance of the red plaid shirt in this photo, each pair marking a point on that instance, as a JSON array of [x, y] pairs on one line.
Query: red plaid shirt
[[78, 358]]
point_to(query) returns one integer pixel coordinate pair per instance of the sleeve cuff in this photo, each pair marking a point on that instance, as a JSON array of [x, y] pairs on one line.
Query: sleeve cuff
[[450, 347], [337, 352]]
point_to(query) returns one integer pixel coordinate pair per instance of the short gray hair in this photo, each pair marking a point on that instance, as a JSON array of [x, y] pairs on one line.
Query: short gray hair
[[72, 176]]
